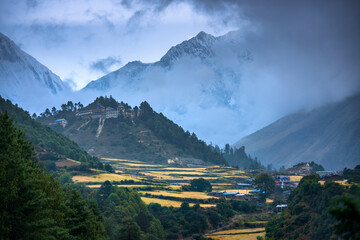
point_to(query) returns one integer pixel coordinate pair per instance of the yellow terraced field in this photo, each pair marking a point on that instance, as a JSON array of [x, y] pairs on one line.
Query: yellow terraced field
[[249, 236], [195, 195], [221, 184], [158, 175], [191, 178], [180, 173], [339, 182], [169, 203], [121, 160], [128, 186], [185, 169], [239, 234], [233, 231], [295, 178], [103, 177], [140, 165], [244, 191]]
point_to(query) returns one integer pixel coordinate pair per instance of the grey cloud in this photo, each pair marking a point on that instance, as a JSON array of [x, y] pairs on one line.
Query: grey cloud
[[104, 65]]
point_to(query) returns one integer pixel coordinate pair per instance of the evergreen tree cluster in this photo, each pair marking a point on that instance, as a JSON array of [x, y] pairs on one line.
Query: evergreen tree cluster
[[45, 139], [237, 157], [190, 145], [198, 185], [33, 204], [126, 215], [186, 221], [353, 175]]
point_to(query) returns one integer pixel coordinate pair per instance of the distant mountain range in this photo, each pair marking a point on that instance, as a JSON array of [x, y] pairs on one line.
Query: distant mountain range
[[329, 135]]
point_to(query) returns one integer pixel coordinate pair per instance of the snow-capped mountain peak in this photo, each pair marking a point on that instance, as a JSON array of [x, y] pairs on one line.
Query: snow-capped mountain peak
[[198, 46]]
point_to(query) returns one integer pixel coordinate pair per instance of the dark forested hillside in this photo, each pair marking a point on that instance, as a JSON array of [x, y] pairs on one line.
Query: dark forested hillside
[[318, 211], [33, 204], [48, 144], [108, 128]]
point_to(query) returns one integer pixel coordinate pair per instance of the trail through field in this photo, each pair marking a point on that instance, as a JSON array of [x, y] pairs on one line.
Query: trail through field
[[101, 125]]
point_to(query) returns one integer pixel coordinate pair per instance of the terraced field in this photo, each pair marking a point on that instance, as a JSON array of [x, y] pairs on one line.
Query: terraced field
[[238, 234], [163, 182], [170, 203], [193, 195]]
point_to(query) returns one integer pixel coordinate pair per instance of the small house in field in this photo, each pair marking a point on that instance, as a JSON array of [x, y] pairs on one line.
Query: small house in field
[[230, 195], [216, 193], [63, 122], [280, 207]]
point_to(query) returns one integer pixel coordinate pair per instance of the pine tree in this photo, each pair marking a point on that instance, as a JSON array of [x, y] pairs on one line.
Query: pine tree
[[30, 200]]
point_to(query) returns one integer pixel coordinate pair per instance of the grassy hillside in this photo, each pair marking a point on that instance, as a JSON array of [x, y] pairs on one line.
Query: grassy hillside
[[329, 135], [48, 144], [139, 133]]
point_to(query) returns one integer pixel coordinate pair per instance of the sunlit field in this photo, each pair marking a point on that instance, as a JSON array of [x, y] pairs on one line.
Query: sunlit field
[[238, 234], [194, 195], [170, 203], [162, 181], [104, 177], [295, 178]]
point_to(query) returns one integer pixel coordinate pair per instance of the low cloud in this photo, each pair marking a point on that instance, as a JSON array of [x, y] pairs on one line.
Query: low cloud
[[104, 65]]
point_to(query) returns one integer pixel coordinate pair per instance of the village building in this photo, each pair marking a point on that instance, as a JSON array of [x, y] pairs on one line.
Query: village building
[[283, 181], [280, 207], [111, 112], [216, 193], [63, 122], [244, 185], [85, 113], [230, 195], [98, 111]]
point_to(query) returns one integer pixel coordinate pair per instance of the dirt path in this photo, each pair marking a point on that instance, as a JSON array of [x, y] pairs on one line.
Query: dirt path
[[101, 125], [83, 125]]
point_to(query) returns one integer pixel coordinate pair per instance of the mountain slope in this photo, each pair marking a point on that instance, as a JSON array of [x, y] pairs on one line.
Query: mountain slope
[[198, 47], [19, 73], [48, 144], [329, 135], [138, 133]]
